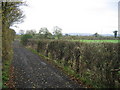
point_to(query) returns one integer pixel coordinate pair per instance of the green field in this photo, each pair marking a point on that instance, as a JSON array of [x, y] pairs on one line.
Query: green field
[[99, 41]]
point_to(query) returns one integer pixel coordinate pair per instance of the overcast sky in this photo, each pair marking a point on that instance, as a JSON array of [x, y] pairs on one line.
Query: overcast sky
[[73, 16]]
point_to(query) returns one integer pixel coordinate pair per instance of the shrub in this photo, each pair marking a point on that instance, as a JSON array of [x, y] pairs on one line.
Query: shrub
[[24, 39]]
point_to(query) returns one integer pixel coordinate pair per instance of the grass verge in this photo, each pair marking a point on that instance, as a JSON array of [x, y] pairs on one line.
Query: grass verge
[[5, 73]]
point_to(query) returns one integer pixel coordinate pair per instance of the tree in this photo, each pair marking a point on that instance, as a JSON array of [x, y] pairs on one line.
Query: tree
[[66, 34], [96, 34], [44, 32], [57, 32], [115, 33], [21, 32], [31, 32], [11, 13], [48, 35]]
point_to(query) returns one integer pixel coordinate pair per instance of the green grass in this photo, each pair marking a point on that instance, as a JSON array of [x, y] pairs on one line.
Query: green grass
[[5, 72], [99, 41]]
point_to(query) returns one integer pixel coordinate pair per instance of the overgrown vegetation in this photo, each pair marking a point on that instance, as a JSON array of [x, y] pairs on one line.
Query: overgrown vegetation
[[91, 62], [11, 13], [24, 39], [7, 53]]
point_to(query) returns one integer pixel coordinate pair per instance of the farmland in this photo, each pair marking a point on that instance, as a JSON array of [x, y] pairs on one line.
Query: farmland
[[98, 41], [82, 52]]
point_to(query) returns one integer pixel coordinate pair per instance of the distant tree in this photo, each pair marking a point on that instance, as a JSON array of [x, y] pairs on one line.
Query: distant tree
[[96, 34], [31, 32], [57, 32], [66, 34], [48, 35], [21, 32], [24, 38], [44, 32], [115, 33]]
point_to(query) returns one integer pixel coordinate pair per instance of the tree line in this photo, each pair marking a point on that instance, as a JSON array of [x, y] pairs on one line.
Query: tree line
[[44, 33]]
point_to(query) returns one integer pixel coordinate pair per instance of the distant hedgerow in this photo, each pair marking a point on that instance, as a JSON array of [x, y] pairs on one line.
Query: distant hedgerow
[[24, 38]]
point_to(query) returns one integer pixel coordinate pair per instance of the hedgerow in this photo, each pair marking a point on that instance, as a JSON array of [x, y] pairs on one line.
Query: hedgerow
[[24, 38], [7, 53], [93, 62]]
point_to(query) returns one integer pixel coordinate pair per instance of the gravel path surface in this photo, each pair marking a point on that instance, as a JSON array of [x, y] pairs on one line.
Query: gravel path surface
[[32, 72]]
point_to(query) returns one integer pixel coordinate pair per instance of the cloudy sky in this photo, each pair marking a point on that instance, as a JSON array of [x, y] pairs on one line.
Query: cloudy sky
[[73, 16]]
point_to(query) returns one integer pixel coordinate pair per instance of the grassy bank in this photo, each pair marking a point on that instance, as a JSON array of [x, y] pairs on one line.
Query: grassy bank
[[6, 73]]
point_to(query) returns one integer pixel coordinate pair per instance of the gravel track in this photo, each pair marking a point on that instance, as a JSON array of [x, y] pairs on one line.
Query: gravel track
[[32, 72]]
